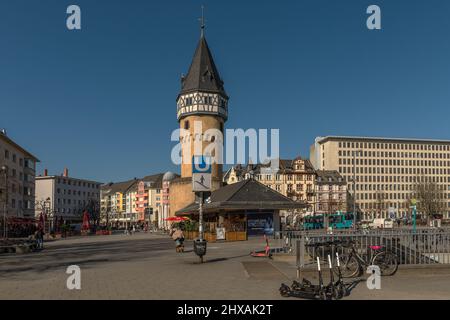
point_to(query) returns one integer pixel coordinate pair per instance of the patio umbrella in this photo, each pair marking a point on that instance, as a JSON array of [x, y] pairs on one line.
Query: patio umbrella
[[176, 219], [85, 221]]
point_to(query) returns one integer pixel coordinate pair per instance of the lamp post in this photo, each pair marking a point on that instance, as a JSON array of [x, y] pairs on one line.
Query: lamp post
[[355, 153], [47, 209], [414, 213], [4, 170]]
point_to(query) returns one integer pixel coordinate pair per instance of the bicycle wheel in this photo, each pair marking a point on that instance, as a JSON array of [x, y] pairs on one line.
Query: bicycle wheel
[[387, 262], [349, 266]]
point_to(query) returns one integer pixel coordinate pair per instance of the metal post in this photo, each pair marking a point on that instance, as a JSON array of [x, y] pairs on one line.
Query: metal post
[[354, 190], [5, 205], [355, 152], [200, 217], [200, 221]]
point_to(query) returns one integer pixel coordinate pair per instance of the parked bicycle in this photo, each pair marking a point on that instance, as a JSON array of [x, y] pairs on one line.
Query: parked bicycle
[[353, 263]]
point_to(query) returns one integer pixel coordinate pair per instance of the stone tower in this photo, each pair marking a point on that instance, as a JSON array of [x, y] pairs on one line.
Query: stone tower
[[201, 101]]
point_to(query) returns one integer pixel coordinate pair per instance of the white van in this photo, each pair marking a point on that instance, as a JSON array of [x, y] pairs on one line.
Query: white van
[[381, 223]]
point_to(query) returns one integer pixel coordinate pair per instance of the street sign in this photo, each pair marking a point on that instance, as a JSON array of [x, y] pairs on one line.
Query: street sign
[[201, 174], [201, 182], [201, 164]]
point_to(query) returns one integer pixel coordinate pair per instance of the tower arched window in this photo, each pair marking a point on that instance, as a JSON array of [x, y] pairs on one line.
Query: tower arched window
[[186, 125]]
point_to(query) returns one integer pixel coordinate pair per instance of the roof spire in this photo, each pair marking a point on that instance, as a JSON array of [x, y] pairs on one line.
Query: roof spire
[[202, 22]]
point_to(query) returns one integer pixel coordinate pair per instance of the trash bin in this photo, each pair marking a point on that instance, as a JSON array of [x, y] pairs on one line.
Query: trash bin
[[200, 247]]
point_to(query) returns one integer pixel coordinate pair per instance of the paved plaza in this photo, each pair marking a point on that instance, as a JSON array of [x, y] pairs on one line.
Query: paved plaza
[[145, 266]]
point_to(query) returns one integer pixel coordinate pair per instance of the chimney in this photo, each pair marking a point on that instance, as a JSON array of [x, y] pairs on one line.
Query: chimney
[[66, 172], [45, 172]]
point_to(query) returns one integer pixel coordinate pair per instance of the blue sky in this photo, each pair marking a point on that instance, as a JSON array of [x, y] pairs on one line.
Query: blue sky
[[101, 101]]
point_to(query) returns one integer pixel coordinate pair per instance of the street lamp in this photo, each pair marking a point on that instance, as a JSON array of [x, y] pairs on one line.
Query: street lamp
[[47, 213], [4, 170], [354, 153], [414, 213]]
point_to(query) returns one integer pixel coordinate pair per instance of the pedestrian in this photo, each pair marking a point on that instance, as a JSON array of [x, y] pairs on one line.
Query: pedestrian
[[398, 222], [39, 236]]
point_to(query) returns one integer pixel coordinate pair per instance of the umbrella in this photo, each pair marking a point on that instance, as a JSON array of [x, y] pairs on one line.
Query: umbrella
[[85, 221], [176, 219]]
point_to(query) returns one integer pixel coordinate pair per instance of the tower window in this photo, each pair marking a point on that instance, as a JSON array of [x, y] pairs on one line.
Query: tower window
[[186, 125], [207, 100]]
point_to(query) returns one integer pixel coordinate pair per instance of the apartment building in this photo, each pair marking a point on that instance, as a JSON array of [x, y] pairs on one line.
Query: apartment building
[[17, 178], [65, 196], [296, 179], [382, 173], [331, 192], [133, 201], [118, 202], [148, 197]]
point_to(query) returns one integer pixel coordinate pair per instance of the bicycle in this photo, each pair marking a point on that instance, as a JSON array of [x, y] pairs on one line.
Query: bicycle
[[352, 263]]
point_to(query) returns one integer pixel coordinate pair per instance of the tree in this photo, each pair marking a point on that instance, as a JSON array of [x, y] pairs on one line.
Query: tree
[[93, 209], [380, 201], [430, 197]]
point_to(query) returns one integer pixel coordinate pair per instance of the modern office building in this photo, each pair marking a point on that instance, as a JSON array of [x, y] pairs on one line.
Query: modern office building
[[383, 173], [64, 196], [17, 179]]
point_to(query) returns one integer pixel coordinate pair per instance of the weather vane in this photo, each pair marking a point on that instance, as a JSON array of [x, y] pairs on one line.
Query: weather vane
[[202, 21]]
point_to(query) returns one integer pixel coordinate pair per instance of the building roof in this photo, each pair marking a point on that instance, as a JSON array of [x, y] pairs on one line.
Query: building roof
[[121, 187], [8, 140], [154, 180], [356, 138], [244, 195], [203, 74], [285, 166], [326, 177], [63, 177]]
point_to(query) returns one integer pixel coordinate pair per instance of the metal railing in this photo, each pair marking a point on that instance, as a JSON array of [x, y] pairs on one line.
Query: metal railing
[[286, 241], [423, 247]]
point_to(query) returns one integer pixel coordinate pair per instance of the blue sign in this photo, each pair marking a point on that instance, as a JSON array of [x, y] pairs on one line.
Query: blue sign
[[201, 164]]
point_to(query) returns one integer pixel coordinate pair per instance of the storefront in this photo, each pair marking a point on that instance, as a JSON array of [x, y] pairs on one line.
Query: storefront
[[260, 223], [236, 212]]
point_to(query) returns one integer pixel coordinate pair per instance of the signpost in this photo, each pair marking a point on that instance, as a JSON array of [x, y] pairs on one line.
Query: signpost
[[201, 184]]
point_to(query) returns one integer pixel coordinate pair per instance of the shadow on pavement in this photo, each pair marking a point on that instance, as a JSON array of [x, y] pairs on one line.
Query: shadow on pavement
[[87, 254]]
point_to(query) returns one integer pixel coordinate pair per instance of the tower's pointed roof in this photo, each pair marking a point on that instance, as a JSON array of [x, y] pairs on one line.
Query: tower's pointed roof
[[203, 74]]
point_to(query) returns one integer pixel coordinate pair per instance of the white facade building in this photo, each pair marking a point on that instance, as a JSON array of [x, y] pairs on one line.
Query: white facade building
[[17, 180], [65, 196]]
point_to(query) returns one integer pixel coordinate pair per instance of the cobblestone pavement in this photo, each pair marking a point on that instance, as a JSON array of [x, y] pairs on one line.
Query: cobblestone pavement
[[145, 266]]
